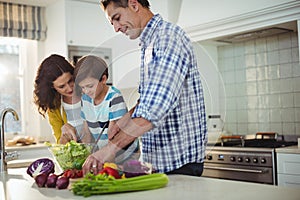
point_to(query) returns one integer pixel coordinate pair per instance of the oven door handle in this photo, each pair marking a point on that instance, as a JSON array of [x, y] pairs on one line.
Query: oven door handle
[[235, 169]]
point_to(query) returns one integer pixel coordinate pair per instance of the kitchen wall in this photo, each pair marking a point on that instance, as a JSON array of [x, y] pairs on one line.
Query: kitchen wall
[[261, 78]]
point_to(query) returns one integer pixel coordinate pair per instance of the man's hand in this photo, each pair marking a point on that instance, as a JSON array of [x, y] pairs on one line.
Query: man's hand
[[115, 126], [95, 161]]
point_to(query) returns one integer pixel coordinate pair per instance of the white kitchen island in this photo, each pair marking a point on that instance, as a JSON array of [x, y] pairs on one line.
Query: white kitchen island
[[17, 185]]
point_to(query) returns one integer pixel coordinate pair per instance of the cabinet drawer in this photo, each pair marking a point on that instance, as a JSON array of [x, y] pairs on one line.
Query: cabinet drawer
[[288, 163], [289, 180]]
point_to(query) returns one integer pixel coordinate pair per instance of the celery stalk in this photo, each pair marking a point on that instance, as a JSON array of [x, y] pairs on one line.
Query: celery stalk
[[94, 186]]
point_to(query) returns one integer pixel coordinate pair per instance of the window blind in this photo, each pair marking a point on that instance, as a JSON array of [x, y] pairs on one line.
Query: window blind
[[22, 21]]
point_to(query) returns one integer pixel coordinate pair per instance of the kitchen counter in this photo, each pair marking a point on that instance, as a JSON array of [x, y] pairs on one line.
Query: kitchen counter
[[26, 147], [290, 149], [17, 185]]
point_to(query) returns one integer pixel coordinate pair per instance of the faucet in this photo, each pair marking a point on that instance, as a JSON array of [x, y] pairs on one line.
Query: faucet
[[3, 164]]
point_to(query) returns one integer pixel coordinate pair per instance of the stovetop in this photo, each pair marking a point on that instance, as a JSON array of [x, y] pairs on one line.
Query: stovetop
[[272, 140], [258, 143]]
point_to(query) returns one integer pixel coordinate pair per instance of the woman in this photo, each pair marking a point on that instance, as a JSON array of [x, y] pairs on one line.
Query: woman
[[55, 97]]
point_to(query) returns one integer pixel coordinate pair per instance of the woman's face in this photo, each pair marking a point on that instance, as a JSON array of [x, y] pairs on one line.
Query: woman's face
[[64, 84], [92, 87]]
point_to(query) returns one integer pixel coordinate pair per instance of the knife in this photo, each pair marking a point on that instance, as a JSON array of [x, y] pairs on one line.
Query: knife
[[99, 136]]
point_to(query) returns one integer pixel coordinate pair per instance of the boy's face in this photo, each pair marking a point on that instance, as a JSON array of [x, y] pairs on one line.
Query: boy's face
[[91, 87]]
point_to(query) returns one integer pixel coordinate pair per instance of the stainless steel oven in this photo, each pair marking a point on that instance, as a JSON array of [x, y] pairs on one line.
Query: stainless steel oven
[[245, 164], [244, 159]]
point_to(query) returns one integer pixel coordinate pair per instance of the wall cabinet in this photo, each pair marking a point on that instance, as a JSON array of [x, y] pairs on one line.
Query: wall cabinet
[[86, 24], [288, 170], [234, 17], [76, 52]]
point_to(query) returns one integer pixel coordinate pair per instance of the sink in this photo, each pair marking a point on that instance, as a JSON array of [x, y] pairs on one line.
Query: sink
[[19, 163], [28, 154], [24, 163]]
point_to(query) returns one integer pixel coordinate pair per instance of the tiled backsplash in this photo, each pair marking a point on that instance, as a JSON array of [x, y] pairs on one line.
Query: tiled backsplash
[[262, 85]]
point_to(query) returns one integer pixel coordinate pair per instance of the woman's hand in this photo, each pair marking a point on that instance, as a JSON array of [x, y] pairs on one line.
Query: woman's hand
[[68, 134]]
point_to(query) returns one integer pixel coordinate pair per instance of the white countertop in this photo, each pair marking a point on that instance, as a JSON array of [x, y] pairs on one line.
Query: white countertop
[[290, 149], [19, 186], [26, 147]]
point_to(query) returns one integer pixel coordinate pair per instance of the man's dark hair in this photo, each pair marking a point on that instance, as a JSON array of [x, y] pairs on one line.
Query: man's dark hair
[[123, 3]]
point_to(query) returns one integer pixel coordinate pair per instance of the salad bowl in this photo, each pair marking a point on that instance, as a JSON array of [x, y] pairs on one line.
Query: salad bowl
[[70, 155]]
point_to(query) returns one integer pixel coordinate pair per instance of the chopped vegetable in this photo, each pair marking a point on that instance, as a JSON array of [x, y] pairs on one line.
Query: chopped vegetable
[[132, 168], [71, 155], [73, 173], [102, 184], [110, 164], [41, 166], [110, 172]]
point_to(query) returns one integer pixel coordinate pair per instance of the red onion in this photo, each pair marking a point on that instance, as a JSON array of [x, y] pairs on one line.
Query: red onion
[[62, 182], [51, 181], [41, 179]]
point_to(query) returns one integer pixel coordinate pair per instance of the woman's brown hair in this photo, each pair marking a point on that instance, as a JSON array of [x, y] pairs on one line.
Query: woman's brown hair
[[45, 96]]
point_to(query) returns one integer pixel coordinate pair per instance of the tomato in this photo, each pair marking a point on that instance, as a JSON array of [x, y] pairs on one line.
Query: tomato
[[79, 173], [73, 173], [68, 173]]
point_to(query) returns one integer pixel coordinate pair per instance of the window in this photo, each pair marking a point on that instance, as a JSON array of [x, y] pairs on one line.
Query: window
[[11, 82]]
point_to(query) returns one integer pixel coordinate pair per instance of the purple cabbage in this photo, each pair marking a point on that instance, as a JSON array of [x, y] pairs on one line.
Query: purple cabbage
[[41, 166]]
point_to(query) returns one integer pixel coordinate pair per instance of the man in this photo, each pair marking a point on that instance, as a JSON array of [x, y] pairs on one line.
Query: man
[[170, 114]]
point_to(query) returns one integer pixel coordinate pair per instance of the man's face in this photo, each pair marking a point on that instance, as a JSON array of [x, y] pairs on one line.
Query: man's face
[[124, 20]]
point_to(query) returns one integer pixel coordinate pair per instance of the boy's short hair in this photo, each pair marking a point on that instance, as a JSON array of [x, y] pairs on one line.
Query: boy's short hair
[[89, 66]]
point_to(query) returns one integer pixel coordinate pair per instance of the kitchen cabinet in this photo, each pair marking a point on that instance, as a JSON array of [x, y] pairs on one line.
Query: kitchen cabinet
[[234, 17], [288, 169], [76, 52], [86, 24]]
